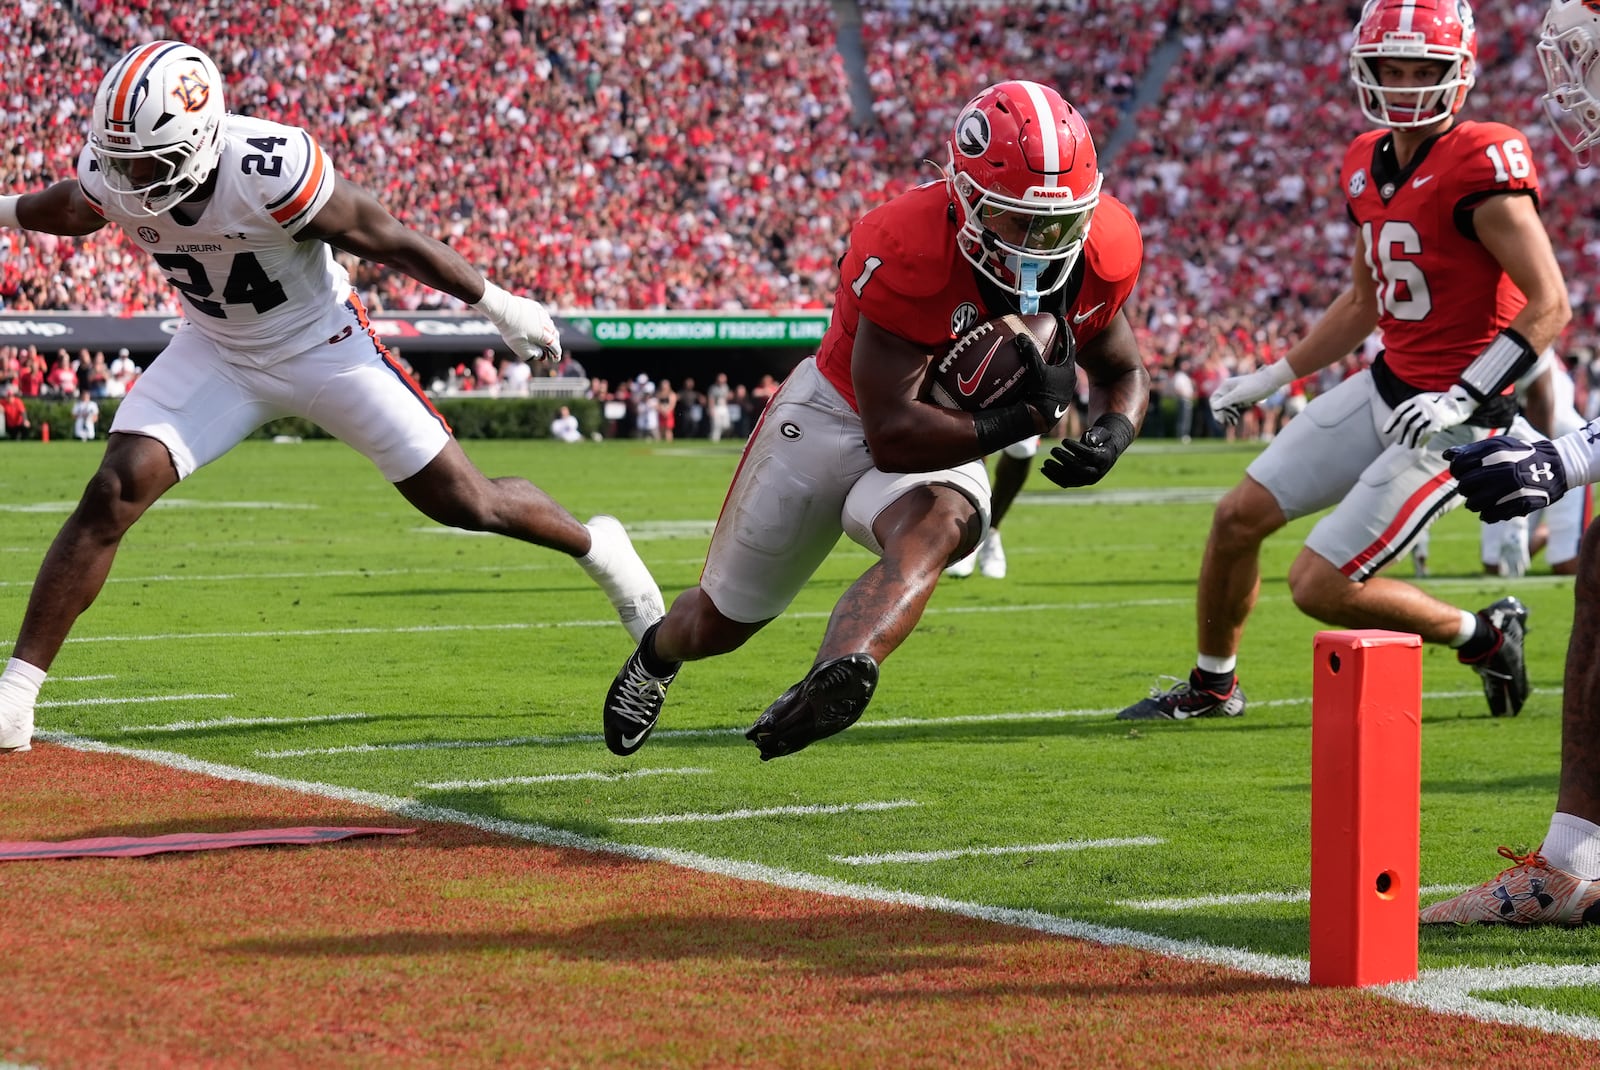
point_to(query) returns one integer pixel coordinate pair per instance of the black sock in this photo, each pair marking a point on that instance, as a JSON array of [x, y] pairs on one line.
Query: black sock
[[654, 663], [1218, 683], [1484, 638]]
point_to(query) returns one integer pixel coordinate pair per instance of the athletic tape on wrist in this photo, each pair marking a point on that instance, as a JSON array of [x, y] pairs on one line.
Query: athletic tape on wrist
[[1120, 428], [999, 428]]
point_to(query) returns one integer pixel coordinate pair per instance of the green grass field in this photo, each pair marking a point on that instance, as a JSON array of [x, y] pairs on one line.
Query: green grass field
[[286, 612]]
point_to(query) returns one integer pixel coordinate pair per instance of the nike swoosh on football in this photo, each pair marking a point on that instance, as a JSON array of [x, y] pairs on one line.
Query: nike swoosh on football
[[967, 386], [1079, 317], [1420, 181]]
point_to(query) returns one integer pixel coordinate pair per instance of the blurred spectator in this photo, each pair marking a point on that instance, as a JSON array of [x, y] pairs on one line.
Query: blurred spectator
[[717, 399], [16, 413], [565, 426], [85, 417]]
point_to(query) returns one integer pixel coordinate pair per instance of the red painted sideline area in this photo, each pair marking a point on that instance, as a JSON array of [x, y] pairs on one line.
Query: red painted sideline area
[[139, 846], [457, 948]]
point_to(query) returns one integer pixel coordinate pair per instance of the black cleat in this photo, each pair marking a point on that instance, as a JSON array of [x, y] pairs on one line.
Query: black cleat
[[1184, 700], [1503, 668], [634, 703], [829, 700]]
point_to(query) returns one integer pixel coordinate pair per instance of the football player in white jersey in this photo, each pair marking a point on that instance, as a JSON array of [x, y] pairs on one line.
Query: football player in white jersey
[[242, 215], [1557, 883]]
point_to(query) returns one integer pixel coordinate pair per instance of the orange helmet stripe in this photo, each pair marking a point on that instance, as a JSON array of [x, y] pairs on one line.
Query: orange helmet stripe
[[307, 190], [130, 78]]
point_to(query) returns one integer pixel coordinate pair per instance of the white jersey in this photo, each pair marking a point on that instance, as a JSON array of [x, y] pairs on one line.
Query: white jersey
[[244, 281]]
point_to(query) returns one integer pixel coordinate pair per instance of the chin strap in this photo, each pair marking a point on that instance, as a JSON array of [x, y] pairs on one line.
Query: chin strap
[[1028, 279]]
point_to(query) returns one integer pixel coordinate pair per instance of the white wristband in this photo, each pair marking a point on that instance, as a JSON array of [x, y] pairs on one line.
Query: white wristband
[[8, 212], [494, 301], [1577, 454]]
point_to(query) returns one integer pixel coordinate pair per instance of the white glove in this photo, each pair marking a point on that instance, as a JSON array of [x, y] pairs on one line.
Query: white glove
[[1238, 392], [1419, 418], [522, 322]]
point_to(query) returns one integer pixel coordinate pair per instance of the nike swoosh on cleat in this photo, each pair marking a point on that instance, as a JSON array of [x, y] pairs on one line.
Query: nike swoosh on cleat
[[1079, 317], [631, 742]]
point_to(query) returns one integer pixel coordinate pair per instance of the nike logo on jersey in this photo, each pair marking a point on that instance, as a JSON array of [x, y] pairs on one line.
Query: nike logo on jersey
[[1079, 317], [968, 385], [1420, 181]]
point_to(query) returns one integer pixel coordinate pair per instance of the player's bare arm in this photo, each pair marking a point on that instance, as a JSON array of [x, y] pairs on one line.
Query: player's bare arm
[[1510, 228], [60, 209], [904, 432], [1118, 381], [356, 223]]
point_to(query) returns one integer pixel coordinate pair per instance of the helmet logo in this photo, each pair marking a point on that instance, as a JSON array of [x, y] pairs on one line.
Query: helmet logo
[[1464, 16], [192, 91], [972, 133]]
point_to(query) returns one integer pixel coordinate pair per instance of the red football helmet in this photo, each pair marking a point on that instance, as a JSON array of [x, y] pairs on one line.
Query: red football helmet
[[1439, 30], [1024, 179]]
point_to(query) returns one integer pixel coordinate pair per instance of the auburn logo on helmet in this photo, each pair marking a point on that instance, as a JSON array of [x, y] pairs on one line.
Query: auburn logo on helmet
[[192, 91]]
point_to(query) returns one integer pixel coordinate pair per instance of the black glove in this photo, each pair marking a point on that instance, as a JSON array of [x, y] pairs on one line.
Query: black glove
[[1051, 387], [1081, 462], [1503, 477]]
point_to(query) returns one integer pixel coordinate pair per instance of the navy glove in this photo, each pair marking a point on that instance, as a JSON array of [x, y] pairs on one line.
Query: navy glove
[[1081, 462], [1503, 477]]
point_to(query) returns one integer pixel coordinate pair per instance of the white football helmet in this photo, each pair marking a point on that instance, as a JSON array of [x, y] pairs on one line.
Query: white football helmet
[[1439, 30], [1569, 45], [157, 126]]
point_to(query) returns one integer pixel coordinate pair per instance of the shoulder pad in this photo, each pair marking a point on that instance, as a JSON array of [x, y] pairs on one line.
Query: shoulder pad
[[1115, 248]]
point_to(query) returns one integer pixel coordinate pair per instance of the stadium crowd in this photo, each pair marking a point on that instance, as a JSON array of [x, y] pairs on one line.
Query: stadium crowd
[[695, 155]]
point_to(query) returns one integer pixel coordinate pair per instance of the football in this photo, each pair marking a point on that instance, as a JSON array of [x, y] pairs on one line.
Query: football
[[983, 369]]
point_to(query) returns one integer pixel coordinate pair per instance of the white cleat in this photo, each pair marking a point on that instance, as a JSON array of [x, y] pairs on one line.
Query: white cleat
[[615, 565], [963, 568], [992, 556], [16, 731]]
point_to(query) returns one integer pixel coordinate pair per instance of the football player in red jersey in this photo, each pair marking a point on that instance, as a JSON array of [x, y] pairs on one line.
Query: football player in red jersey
[[243, 214], [848, 445], [1558, 883], [1452, 262]]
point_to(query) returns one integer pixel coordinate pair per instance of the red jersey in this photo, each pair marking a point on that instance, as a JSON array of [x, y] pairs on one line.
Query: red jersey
[[904, 272], [1442, 297]]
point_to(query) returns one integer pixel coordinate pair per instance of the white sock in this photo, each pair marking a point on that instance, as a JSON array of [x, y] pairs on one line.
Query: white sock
[[1573, 845], [1469, 625], [1213, 664], [20, 683]]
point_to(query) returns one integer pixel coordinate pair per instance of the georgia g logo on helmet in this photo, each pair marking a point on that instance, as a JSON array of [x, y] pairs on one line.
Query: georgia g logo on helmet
[[972, 133]]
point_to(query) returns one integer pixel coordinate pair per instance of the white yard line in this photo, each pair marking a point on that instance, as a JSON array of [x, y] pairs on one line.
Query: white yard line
[[1443, 991], [244, 722], [125, 701], [969, 852], [79, 679], [555, 778], [770, 811]]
